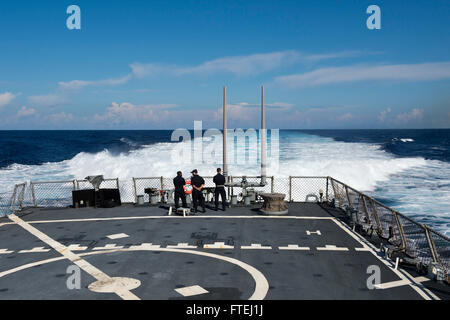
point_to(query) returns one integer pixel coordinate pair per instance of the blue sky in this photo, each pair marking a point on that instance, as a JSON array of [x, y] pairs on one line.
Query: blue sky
[[162, 64]]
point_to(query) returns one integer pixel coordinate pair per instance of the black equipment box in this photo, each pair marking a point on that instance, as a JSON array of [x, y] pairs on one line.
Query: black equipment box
[[104, 198], [109, 198], [83, 198]]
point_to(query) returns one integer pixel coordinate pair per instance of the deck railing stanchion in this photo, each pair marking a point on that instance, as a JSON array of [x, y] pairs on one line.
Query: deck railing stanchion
[[290, 188], [135, 191], [400, 229], [350, 204], [431, 244], [365, 207], [377, 218], [33, 194]]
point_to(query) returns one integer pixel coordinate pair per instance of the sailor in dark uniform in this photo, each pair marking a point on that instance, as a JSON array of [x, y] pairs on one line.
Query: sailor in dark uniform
[[197, 195], [219, 180], [179, 183]]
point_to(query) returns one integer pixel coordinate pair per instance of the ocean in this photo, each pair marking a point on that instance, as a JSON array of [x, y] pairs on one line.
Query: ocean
[[408, 170]]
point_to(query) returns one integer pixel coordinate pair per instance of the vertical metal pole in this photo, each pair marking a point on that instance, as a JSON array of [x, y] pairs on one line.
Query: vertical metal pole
[[33, 194], [272, 184], [365, 208], [162, 188], [263, 139], [348, 196], [117, 183], [326, 192], [431, 244], [225, 164], [336, 194], [12, 201], [400, 229], [135, 191], [290, 189], [377, 218]]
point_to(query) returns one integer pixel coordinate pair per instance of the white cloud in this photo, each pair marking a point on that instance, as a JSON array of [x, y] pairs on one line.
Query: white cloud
[[238, 65], [414, 114], [60, 118], [78, 84], [405, 72], [129, 113], [244, 65], [345, 117], [6, 98], [383, 114], [48, 100], [337, 55], [25, 112]]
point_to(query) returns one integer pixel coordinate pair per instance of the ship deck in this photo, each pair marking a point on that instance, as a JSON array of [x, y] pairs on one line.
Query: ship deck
[[139, 252]]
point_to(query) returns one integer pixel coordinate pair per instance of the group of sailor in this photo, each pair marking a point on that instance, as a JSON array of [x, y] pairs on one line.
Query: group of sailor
[[195, 187]]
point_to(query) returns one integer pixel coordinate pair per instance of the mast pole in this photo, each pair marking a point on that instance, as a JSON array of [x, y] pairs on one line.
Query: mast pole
[[263, 139], [225, 164]]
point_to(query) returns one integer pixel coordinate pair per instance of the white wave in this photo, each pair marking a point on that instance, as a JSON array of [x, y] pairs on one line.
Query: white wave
[[358, 164], [413, 182], [129, 142], [407, 140]]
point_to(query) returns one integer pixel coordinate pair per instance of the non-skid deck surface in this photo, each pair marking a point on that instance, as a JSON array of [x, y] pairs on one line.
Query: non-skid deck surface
[[236, 254]]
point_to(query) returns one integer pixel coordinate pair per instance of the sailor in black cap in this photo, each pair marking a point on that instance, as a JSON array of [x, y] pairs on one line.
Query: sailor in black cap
[[219, 180], [197, 195], [179, 183]]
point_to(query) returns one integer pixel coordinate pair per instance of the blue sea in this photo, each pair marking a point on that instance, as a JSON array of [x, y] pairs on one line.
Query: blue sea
[[408, 170]]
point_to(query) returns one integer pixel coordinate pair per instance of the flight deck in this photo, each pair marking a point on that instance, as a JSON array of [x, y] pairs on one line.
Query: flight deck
[[140, 252]]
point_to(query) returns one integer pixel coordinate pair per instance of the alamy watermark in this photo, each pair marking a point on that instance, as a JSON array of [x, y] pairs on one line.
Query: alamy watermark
[[73, 22], [374, 20], [243, 146], [374, 278], [74, 279]]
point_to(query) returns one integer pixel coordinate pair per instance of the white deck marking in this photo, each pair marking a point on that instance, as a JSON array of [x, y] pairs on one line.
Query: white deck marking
[[74, 258], [76, 247], [145, 246], [180, 217], [191, 291], [399, 283], [293, 247], [362, 249], [5, 223], [331, 248], [261, 284], [5, 251], [109, 246], [117, 236], [182, 245], [217, 245], [36, 249], [114, 285], [311, 232], [256, 246], [417, 286]]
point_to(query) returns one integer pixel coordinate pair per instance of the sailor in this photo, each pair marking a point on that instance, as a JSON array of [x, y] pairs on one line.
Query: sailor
[[197, 195], [219, 180], [179, 183]]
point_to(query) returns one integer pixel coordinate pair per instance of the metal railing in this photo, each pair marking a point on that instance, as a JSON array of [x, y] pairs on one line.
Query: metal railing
[[17, 199], [422, 244], [414, 239]]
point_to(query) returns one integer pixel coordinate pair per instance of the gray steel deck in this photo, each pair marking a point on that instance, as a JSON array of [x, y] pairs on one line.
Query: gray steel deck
[[260, 243]]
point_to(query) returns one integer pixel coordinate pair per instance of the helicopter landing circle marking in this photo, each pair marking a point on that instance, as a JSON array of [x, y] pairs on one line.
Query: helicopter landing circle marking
[[261, 283]]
